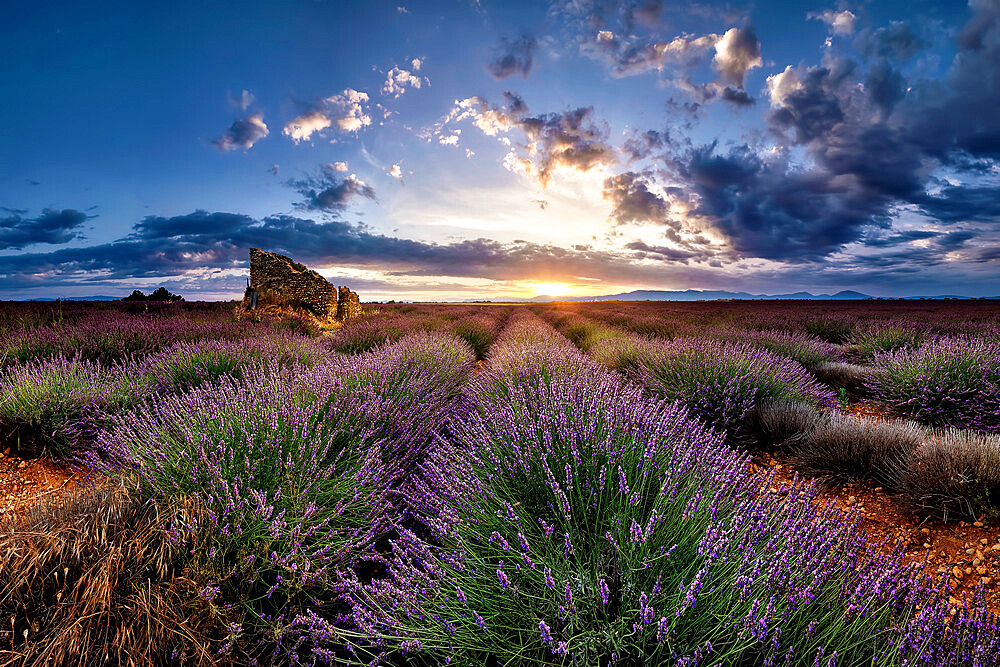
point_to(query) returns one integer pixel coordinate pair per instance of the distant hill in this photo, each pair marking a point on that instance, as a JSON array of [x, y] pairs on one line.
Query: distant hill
[[78, 298], [717, 295]]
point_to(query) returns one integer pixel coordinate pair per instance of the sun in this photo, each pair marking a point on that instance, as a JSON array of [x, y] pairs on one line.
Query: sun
[[552, 289]]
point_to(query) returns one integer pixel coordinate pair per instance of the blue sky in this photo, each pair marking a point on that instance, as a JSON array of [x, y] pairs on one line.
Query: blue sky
[[465, 149]]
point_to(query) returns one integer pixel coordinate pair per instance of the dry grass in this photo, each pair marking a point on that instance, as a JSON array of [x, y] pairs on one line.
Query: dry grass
[[848, 449], [93, 579], [955, 474]]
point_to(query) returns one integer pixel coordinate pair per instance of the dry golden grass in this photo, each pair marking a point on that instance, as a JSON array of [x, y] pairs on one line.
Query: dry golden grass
[[92, 578]]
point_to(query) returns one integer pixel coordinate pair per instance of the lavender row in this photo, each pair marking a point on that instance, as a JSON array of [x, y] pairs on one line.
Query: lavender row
[[298, 471], [575, 520]]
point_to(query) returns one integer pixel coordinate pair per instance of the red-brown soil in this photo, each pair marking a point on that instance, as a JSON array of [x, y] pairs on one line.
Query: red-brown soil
[[26, 480], [968, 553]]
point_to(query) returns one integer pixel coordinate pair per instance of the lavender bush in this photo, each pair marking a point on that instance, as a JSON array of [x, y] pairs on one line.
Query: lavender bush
[[945, 382], [189, 364], [720, 382], [59, 405], [578, 522]]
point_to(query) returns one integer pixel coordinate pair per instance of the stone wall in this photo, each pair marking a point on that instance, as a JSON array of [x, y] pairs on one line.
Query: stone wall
[[278, 277]]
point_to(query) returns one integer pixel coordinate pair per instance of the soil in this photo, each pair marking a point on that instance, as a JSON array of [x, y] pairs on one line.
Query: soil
[[966, 553], [24, 481]]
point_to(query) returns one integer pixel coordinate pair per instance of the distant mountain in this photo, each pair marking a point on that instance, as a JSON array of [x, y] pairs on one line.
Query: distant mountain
[[716, 295], [78, 298]]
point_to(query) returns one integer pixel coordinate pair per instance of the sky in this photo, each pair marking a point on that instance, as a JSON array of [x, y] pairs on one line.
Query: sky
[[479, 149]]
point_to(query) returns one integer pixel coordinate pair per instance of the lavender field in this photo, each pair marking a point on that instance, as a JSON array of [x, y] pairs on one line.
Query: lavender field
[[546, 484]]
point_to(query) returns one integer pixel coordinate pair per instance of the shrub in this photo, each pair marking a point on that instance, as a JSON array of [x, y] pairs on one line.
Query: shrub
[[807, 350], [850, 377], [955, 473], [781, 422], [93, 579], [849, 449], [288, 481], [578, 522], [479, 331], [59, 405], [869, 341], [189, 364], [723, 383], [945, 382], [831, 329]]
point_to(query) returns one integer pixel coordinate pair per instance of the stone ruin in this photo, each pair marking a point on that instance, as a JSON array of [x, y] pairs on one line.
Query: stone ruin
[[276, 279]]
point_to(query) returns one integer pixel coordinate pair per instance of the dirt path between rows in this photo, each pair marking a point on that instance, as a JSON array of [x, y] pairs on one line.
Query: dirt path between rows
[[967, 553]]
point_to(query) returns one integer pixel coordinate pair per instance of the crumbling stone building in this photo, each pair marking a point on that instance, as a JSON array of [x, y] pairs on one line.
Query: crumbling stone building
[[274, 277]]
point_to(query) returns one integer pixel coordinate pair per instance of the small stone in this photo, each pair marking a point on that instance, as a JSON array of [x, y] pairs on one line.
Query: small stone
[[878, 489], [925, 531], [968, 570], [978, 524], [987, 581], [970, 551], [957, 573], [980, 571], [976, 562], [996, 547], [927, 545], [851, 500]]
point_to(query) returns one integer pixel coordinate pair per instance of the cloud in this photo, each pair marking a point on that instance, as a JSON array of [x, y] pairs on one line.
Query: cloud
[[274, 170], [397, 81], [632, 201], [243, 100], [402, 10], [626, 59], [416, 64], [840, 23], [303, 127], [52, 227], [396, 172], [513, 57], [243, 133], [737, 52], [347, 110], [571, 140], [738, 98], [338, 166], [897, 41], [329, 193]]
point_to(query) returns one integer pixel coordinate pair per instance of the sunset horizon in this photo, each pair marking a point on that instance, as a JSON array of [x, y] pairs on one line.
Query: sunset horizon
[[469, 150]]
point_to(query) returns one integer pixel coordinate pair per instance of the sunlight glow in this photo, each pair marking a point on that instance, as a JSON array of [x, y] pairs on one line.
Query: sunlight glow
[[552, 289]]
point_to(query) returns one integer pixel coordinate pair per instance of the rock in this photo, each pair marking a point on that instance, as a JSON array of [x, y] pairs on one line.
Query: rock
[[980, 571], [274, 277], [978, 524], [957, 573], [925, 531]]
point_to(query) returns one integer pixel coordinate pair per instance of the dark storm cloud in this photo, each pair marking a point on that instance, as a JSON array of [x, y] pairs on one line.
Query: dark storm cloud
[[738, 98], [963, 204], [51, 227], [870, 149], [329, 194], [660, 252], [514, 57], [632, 201], [767, 210], [897, 41], [243, 133], [200, 241], [955, 240], [902, 237]]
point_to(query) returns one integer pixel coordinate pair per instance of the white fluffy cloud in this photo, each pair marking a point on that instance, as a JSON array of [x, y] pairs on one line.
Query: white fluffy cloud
[[396, 171], [347, 110], [398, 80], [736, 53], [840, 23], [302, 128], [780, 86], [339, 166]]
